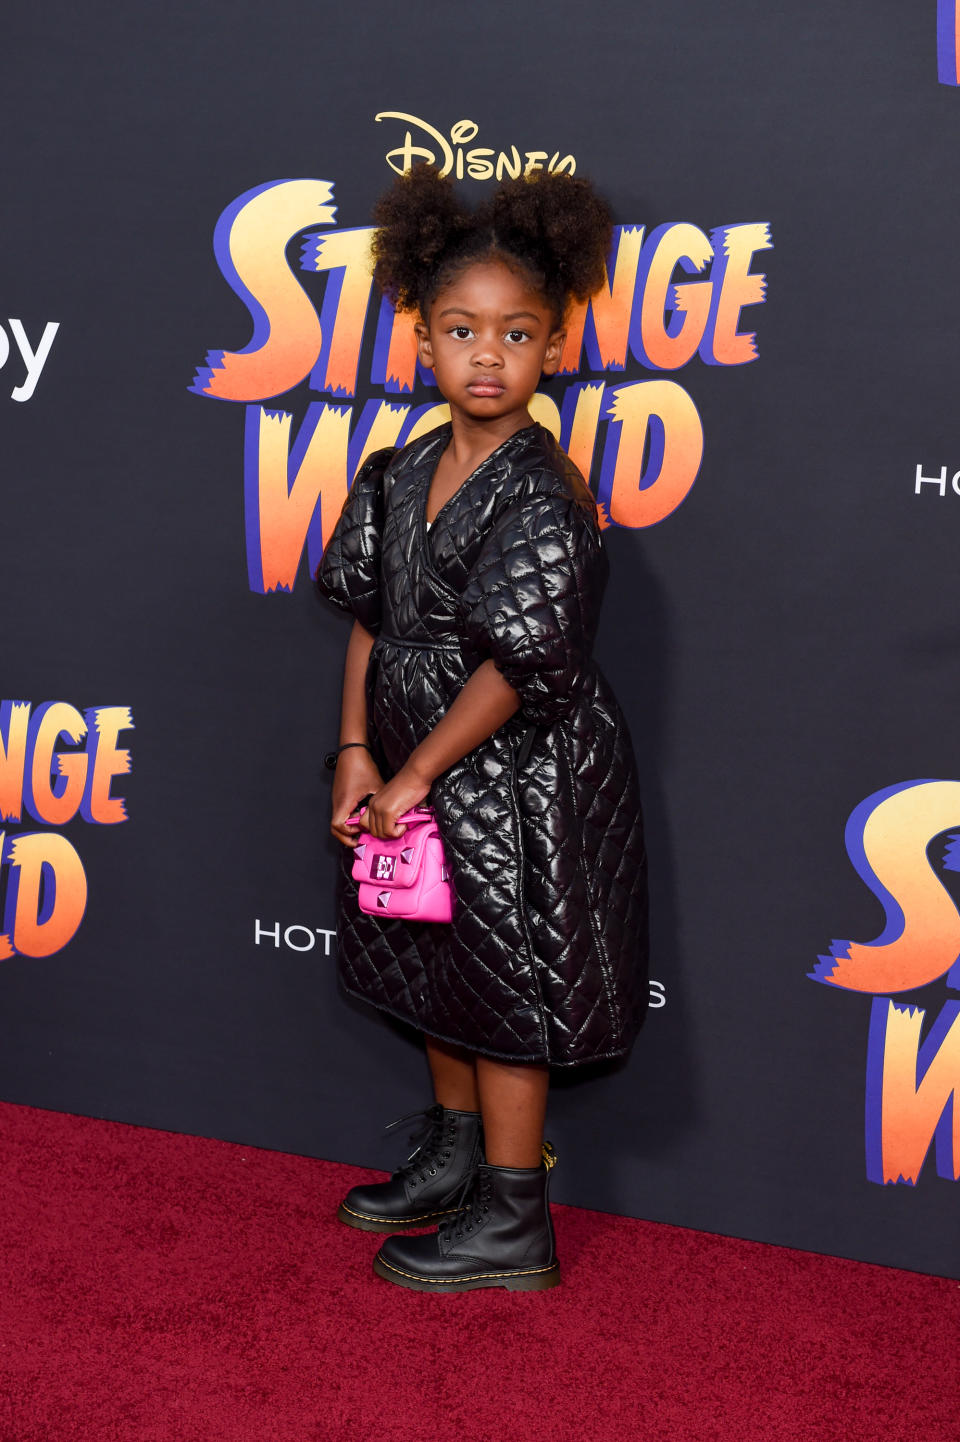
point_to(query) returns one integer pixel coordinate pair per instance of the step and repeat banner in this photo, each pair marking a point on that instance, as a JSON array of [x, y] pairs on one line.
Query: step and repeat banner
[[193, 365]]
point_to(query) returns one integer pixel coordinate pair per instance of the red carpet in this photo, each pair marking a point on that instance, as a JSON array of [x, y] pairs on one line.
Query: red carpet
[[159, 1288]]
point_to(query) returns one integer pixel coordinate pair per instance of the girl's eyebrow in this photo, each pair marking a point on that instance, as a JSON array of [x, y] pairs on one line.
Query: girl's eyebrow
[[471, 315]]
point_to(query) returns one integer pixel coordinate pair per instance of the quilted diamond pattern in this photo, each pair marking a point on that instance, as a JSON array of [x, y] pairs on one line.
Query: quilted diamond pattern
[[545, 959], [351, 560]]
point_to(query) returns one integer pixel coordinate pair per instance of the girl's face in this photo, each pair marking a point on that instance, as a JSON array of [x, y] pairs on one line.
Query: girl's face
[[489, 338]]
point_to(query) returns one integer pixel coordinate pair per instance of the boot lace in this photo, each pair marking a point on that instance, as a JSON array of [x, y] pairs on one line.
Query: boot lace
[[433, 1140], [473, 1204]]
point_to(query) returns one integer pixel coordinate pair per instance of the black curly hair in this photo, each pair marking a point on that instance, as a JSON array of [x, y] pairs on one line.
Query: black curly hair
[[552, 226]]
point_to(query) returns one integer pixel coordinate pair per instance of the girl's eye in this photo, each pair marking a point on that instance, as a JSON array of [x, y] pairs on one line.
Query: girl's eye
[[462, 332], [517, 335]]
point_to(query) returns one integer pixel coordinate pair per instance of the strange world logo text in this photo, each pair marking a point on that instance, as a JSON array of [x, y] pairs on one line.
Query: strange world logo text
[[904, 842], [56, 763], [672, 295]]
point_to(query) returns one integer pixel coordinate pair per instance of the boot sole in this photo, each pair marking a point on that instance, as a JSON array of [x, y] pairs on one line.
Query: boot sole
[[532, 1279], [366, 1222]]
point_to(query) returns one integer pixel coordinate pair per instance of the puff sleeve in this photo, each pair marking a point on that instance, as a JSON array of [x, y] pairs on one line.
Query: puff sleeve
[[349, 570], [532, 600]]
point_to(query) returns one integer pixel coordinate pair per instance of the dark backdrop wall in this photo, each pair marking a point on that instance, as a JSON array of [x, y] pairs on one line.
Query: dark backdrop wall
[[180, 420]]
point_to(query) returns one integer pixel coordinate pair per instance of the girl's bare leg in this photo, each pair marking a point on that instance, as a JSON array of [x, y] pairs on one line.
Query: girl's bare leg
[[454, 1075], [513, 1101]]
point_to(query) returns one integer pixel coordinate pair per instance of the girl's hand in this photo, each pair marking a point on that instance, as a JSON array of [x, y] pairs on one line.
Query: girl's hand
[[405, 791], [357, 774]]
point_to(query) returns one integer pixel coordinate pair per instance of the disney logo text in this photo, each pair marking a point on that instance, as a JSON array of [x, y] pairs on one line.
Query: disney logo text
[[479, 162]]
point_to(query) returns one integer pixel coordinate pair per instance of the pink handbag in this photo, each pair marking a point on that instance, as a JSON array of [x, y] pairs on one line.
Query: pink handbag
[[405, 876]]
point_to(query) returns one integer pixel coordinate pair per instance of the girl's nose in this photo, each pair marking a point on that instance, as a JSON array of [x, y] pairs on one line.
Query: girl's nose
[[487, 353]]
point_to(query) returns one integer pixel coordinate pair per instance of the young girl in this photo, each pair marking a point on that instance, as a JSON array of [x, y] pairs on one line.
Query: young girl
[[473, 565]]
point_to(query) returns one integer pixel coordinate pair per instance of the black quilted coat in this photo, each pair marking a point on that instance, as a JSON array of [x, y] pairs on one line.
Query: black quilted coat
[[545, 960]]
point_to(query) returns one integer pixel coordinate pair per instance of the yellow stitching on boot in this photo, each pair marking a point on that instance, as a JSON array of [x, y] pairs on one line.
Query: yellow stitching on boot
[[399, 1221], [473, 1276]]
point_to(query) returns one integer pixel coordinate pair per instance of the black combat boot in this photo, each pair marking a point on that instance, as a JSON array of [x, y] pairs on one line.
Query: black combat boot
[[426, 1188], [502, 1237]]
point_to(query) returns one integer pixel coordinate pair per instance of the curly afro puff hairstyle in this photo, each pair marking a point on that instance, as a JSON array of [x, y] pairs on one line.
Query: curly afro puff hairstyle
[[552, 226]]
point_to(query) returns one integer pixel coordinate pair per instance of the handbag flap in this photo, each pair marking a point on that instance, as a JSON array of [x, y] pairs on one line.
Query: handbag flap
[[394, 861]]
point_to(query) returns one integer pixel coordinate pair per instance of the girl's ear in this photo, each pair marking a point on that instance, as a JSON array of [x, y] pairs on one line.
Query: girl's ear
[[553, 352], [424, 348]]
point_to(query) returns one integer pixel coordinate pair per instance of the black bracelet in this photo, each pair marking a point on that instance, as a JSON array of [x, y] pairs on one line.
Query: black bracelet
[[330, 760]]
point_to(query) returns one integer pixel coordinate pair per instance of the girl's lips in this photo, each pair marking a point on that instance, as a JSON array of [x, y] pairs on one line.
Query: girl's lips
[[486, 388]]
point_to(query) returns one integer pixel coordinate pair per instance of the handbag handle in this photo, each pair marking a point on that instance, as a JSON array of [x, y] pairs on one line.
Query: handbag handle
[[416, 815]]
